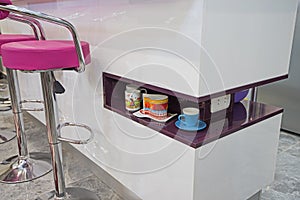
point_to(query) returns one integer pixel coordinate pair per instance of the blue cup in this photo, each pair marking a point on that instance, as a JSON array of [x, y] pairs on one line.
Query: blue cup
[[190, 117]]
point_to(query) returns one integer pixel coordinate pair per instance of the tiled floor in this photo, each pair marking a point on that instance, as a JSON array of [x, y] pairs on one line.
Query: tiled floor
[[285, 187], [287, 177], [37, 140]]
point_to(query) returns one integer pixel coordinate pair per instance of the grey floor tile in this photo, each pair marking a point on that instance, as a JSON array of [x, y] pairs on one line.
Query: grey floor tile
[[287, 140], [286, 185], [101, 189], [271, 194]]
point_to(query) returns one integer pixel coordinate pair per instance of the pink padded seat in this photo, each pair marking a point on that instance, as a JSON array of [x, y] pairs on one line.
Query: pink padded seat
[[7, 38], [42, 55]]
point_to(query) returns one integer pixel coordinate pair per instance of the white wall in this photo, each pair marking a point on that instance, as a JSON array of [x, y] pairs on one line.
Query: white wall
[[286, 93]]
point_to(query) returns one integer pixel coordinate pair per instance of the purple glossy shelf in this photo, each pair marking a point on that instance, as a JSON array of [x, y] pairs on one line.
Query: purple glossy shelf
[[221, 124], [216, 127], [244, 114]]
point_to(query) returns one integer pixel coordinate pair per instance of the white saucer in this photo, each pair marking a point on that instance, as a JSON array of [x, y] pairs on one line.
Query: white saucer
[[140, 114]]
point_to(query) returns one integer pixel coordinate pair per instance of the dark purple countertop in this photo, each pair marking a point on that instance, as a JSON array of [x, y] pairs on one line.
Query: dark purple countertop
[[219, 125]]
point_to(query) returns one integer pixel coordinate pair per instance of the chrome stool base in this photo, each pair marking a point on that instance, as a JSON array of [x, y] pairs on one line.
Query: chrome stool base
[[17, 170], [6, 136], [72, 193]]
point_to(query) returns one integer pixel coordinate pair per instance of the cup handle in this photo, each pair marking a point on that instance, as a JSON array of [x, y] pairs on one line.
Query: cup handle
[[144, 90], [180, 119]]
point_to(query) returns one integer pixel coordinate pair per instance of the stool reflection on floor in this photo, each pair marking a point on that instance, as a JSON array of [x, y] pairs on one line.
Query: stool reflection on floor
[[45, 57], [25, 166]]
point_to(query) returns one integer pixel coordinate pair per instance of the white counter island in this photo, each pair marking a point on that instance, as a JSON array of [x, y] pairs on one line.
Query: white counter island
[[193, 51]]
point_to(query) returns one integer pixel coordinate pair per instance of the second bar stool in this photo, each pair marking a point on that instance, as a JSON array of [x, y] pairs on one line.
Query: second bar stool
[[5, 103], [45, 57], [25, 166]]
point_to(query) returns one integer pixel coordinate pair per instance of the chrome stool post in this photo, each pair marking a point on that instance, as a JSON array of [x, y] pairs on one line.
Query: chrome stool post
[[25, 166], [52, 122], [54, 138]]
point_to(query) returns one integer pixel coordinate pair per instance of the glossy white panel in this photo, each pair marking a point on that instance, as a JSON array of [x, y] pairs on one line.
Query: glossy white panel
[[157, 67], [165, 174], [245, 42], [237, 166]]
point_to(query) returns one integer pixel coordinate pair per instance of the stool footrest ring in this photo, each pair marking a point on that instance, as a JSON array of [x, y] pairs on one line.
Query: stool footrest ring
[[73, 141], [3, 87], [5, 105], [4, 91], [31, 101]]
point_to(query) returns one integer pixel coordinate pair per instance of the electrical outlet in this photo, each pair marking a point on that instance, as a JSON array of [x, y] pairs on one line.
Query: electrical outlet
[[220, 103]]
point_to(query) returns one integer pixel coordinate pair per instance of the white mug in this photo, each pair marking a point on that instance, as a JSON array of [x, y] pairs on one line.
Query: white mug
[[131, 88], [133, 97]]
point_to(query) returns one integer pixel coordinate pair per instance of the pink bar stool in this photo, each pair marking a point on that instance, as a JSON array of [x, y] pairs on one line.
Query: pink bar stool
[[44, 57], [25, 166]]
